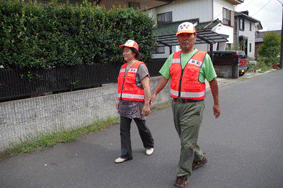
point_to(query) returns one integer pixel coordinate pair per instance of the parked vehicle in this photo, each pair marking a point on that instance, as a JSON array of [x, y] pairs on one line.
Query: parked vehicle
[[229, 55]]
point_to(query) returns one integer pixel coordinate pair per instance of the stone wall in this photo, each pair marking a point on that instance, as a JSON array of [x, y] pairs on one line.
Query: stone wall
[[20, 119], [227, 71]]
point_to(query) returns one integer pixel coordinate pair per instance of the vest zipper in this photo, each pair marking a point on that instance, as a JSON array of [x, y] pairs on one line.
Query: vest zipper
[[179, 94], [123, 84]]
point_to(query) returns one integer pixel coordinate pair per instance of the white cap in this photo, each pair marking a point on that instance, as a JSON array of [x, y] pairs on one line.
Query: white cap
[[186, 27], [130, 44]]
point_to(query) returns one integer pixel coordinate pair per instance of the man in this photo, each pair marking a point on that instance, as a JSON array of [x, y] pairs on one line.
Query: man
[[188, 70]]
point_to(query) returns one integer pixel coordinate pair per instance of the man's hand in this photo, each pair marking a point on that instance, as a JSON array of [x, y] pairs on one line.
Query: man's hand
[[151, 99], [216, 111], [146, 109]]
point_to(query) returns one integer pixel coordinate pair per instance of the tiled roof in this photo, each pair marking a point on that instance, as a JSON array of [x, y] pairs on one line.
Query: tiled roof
[[166, 33]]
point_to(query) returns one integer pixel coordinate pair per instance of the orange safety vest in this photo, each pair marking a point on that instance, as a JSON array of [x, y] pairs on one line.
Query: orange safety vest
[[127, 87], [185, 82]]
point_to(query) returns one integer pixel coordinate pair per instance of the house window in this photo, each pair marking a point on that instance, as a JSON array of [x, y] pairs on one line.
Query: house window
[[242, 24], [159, 50], [250, 47], [227, 17], [251, 26], [135, 5], [164, 18]]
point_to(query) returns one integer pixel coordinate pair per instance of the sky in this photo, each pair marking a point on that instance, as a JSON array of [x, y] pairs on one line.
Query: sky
[[268, 12]]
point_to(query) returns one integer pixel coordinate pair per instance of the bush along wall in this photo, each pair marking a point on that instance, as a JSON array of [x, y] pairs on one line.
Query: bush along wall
[[46, 36]]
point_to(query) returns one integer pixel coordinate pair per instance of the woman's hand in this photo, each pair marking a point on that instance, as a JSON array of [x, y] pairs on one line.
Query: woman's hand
[[117, 104]]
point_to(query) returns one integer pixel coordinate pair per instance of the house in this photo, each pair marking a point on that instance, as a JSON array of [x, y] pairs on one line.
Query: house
[[217, 17], [259, 39], [244, 32]]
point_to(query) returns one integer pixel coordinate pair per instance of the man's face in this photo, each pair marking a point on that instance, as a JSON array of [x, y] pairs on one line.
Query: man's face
[[187, 41]]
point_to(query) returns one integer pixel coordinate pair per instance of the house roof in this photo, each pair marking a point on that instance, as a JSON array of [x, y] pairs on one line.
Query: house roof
[[166, 33], [259, 35], [245, 14]]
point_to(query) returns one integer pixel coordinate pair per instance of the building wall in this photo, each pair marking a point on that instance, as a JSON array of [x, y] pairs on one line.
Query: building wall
[[218, 14], [250, 34], [218, 8], [188, 9], [226, 30]]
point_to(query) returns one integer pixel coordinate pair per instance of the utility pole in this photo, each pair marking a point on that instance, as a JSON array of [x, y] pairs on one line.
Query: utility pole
[[281, 51]]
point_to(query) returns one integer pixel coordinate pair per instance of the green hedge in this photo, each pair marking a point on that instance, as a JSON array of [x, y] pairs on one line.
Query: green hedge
[[41, 36]]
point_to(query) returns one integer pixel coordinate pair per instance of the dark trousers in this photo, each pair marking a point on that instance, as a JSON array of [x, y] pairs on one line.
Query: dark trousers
[[125, 128]]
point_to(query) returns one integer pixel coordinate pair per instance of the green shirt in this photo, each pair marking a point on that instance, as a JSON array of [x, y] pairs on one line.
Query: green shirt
[[206, 71]]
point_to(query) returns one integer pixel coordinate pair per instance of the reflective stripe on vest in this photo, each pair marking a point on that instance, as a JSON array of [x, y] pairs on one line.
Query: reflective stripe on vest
[[185, 82], [127, 88]]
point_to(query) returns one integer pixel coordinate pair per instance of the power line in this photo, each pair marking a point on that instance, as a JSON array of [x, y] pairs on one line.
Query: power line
[[247, 4], [261, 8]]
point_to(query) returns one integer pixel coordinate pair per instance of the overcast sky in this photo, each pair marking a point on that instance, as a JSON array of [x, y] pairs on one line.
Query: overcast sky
[[268, 12]]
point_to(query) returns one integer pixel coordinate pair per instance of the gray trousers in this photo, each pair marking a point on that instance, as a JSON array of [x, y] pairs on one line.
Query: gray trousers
[[125, 133], [187, 120]]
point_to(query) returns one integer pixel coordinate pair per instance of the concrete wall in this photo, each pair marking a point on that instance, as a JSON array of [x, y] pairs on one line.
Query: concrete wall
[[227, 71], [28, 117]]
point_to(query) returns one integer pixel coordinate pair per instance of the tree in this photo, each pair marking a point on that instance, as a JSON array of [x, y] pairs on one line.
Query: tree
[[270, 48], [271, 45]]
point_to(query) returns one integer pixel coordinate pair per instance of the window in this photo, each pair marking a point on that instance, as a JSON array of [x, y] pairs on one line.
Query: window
[[227, 19], [251, 26], [250, 47], [159, 50], [242, 24], [164, 18]]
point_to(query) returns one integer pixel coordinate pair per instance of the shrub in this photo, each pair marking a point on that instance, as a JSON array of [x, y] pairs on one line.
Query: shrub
[[44, 36]]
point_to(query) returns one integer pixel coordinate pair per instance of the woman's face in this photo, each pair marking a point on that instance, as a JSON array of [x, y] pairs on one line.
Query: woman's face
[[128, 54]]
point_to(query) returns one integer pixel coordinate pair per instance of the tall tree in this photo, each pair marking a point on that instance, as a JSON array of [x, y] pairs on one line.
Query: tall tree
[[271, 45]]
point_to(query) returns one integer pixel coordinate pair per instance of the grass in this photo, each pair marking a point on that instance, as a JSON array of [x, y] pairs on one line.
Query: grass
[[259, 66], [47, 140]]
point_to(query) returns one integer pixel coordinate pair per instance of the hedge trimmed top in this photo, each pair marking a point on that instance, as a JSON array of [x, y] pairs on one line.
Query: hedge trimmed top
[[45, 36]]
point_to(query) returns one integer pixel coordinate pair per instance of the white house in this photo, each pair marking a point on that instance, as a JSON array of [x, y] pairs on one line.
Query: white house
[[245, 31], [208, 12]]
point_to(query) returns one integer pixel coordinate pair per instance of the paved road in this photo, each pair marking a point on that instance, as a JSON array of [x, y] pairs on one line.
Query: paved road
[[244, 148]]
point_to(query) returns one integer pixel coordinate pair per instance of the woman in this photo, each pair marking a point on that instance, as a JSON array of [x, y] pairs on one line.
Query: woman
[[133, 100]]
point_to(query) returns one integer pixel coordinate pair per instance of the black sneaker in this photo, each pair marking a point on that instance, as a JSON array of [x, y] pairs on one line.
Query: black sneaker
[[197, 164], [181, 181]]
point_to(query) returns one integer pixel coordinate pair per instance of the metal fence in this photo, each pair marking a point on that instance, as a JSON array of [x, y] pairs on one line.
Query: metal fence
[[15, 84]]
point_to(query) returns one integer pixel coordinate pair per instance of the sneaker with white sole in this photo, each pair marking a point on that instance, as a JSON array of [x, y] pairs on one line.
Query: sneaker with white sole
[[121, 160], [149, 151]]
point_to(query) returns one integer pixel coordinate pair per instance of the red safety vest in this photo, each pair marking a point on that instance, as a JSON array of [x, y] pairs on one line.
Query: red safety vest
[[185, 82], [127, 87]]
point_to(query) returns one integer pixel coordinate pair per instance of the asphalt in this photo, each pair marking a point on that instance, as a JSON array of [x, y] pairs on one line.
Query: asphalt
[[89, 162], [227, 81]]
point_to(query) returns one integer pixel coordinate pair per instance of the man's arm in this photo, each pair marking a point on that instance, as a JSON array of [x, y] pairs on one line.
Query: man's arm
[[160, 85], [214, 90]]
